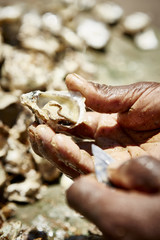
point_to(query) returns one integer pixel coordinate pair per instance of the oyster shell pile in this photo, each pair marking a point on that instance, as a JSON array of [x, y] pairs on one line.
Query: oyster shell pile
[[59, 109], [39, 45]]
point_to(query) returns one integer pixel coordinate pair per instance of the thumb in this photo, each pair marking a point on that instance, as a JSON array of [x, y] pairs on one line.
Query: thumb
[[105, 98], [141, 174], [135, 103], [118, 214]]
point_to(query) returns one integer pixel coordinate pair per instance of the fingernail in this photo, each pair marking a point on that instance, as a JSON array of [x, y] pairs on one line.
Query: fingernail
[[77, 78], [32, 139], [31, 132], [44, 132]]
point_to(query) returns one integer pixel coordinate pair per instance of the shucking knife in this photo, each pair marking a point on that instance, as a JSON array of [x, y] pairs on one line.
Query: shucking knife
[[101, 161]]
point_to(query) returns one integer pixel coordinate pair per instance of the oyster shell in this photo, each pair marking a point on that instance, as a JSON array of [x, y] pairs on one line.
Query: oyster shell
[[52, 23], [94, 33], [25, 70], [84, 5], [59, 109], [42, 43], [48, 171], [32, 36], [25, 191], [7, 99], [136, 22], [18, 160], [146, 40], [4, 133], [72, 39], [109, 12], [3, 176], [10, 13]]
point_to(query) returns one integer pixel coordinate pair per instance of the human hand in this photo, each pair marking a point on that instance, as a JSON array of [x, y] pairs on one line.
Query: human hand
[[125, 124], [119, 214]]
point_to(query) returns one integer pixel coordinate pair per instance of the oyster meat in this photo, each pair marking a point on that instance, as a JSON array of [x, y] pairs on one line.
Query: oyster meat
[[59, 109]]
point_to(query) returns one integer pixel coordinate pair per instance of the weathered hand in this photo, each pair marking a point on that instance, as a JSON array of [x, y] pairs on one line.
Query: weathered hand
[[126, 124], [119, 214]]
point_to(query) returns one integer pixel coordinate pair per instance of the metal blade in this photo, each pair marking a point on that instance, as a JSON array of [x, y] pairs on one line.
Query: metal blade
[[102, 160]]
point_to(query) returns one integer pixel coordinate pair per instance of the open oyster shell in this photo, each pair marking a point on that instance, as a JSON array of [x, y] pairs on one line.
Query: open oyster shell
[[59, 109]]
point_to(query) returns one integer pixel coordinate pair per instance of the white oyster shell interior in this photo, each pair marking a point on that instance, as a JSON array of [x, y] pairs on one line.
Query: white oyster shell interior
[[59, 109]]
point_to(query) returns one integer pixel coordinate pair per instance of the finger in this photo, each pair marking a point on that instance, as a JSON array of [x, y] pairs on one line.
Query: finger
[[32, 138], [141, 174], [50, 155], [96, 125], [135, 103], [88, 127], [60, 150], [104, 98], [119, 215]]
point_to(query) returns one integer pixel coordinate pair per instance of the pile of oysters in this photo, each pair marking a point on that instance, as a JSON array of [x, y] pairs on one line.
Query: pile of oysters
[[38, 48]]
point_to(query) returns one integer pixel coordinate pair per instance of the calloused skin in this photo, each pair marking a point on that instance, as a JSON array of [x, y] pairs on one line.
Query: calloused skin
[[125, 122]]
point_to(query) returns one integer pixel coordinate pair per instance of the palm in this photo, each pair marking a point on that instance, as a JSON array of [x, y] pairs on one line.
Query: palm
[[121, 143]]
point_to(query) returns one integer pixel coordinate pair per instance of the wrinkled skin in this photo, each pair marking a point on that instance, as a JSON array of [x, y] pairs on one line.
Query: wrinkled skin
[[126, 124]]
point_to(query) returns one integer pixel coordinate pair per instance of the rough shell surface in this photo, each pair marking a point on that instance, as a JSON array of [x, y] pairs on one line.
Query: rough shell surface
[[32, 34], [48, 171], [25, 191], [4, 133], [18, 160], [59, 109], [25, 70], [3, 176]]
